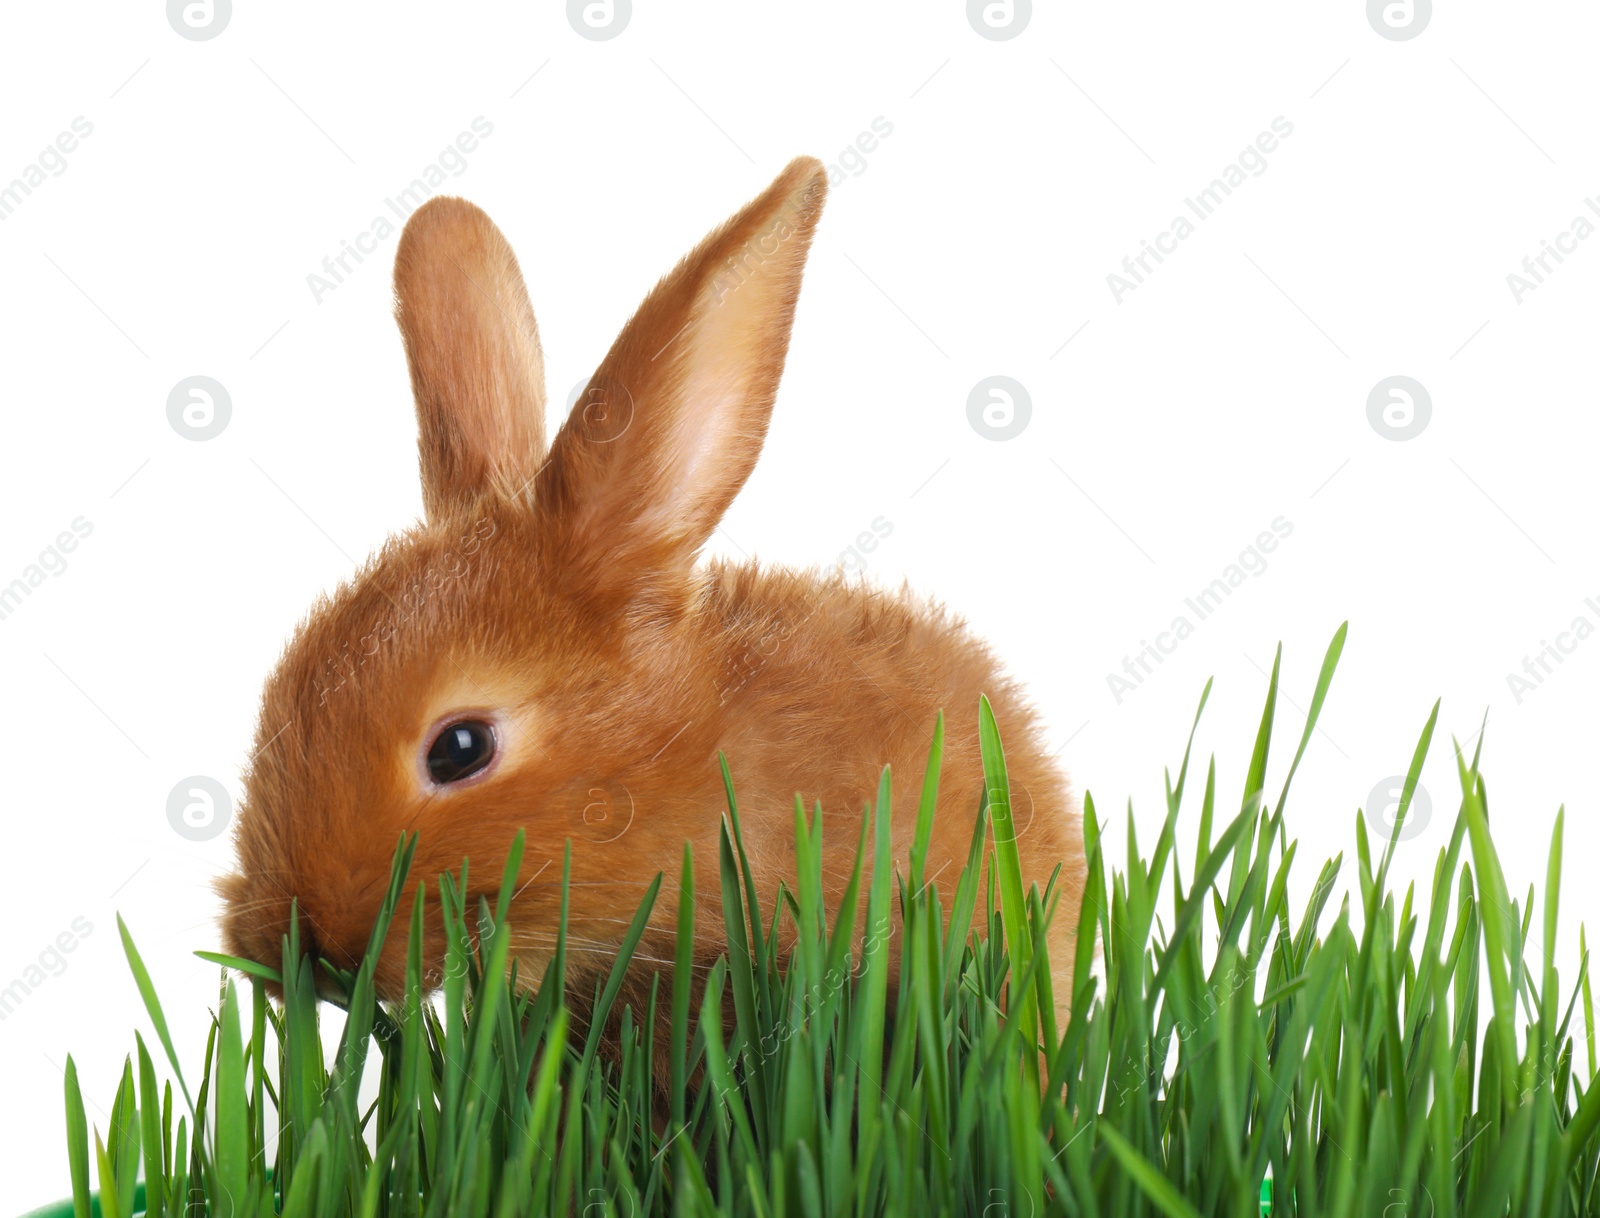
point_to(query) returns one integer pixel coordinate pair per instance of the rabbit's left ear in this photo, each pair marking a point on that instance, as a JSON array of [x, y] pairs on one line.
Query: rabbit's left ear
[[672, 421], [477, 370]]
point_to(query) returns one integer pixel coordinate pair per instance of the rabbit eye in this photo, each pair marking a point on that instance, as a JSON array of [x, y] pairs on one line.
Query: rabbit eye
[[459, 750]]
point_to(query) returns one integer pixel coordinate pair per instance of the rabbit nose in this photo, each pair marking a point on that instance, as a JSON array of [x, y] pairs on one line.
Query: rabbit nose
[[312, 949]]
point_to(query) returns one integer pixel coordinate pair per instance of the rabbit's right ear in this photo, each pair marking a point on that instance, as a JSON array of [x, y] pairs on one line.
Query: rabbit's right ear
[[672, 422], [477, 370]]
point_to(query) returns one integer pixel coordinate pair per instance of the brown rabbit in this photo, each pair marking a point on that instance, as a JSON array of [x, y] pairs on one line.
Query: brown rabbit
[[542, 652]]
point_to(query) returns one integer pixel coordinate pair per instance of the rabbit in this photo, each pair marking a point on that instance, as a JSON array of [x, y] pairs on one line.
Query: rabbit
[[543, 653]]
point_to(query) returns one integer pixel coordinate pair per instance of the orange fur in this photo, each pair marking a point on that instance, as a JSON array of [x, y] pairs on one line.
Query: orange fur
[[555, 593]]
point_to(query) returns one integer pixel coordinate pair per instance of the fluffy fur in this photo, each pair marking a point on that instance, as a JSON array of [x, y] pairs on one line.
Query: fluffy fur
[[553, 592]]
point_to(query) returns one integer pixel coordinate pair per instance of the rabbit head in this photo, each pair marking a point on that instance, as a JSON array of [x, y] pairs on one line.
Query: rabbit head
[[530, 654]]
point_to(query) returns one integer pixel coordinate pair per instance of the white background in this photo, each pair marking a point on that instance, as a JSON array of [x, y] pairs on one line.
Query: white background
[[1228, 390]]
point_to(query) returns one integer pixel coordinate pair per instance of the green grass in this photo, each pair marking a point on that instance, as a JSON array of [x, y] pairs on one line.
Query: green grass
[[1352, 1054]]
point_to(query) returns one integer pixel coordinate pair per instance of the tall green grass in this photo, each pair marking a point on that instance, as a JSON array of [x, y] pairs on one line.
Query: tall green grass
[[1220, 1037]]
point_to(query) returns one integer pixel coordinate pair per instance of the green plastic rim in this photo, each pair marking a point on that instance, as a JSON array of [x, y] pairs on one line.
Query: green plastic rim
[[64, 1209]]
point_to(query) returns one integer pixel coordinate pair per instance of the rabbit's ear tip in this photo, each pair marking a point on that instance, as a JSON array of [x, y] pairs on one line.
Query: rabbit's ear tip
[[445, 205], [806, 175], [438, 216], [806, 166]]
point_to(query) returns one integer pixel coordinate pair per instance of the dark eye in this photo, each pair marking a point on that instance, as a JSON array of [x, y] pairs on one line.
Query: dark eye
[[460, 750]]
